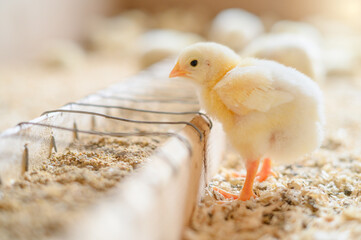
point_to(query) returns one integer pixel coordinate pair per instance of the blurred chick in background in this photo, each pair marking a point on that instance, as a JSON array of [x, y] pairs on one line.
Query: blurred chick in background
[[118, 35], [235, 28], [157, 44], [297, 28], [268, 110], [291, 50]]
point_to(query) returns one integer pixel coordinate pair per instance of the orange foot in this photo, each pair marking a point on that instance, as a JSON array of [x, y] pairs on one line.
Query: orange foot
[[247, 195], [238, 175], [247, 191], [225, 194], [244, 196], [266, 170]]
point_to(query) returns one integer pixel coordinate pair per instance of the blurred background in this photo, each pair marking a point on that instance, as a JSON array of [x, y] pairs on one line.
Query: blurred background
[[54, 52]]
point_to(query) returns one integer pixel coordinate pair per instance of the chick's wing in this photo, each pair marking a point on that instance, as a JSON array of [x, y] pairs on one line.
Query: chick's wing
[[250, 88]]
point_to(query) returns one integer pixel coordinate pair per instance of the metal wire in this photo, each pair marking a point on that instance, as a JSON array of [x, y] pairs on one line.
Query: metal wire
[[145, 111], [113, 134], [174, 100], [165, 90], [128, 120]]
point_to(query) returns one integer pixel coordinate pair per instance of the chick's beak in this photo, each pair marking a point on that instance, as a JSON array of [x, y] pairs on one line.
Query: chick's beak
[[178, 72]]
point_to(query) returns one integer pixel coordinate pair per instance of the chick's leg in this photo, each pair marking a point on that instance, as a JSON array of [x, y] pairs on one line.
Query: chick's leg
[[247, 190], [262, 175], [266, 170]]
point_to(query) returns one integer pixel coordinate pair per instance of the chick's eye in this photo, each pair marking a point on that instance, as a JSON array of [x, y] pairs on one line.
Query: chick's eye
[[194, 63]]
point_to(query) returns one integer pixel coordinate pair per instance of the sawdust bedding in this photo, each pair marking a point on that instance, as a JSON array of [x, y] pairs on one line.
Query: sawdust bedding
[[317, 198], [51, 196]]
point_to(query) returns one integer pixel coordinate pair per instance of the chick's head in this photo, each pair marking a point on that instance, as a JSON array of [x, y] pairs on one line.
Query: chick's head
[[205, 63]]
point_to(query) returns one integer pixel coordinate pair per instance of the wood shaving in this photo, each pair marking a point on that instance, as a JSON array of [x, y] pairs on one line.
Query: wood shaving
[[46, 200]]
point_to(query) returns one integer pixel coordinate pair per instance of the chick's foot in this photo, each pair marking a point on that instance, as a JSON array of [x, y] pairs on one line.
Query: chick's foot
[[266, 170], [225, 194], [237, 175], [245, 196], [247, 190]]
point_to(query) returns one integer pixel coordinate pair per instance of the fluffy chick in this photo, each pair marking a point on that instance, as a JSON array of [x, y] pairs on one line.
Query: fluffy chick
[[298, 28], [235, 27], [291, 50], [267, 110], [117, 36], [157, 44]]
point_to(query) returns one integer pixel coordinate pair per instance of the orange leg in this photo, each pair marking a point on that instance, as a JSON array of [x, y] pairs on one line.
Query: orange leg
[[266, 170], [247, 190]]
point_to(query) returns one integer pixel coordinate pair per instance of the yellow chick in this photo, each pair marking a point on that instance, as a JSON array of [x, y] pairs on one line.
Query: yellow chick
[[291, 50], [268, 110], [117, 36], [157, 44], [235, 28], [298, 28]]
